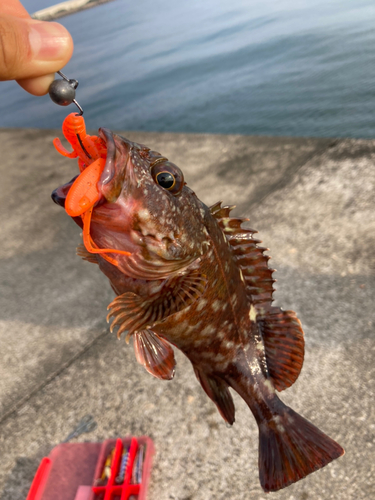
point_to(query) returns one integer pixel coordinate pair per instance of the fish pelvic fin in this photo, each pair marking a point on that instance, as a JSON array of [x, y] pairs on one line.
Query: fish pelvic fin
[[155, 354], [217, 390], [290, 448], [85, 255], [284, 345]]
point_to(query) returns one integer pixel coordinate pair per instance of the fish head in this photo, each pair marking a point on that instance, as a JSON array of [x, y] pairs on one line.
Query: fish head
[[145, 208]]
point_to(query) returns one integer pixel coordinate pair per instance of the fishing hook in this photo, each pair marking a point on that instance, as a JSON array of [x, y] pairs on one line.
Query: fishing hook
[[63, 92]]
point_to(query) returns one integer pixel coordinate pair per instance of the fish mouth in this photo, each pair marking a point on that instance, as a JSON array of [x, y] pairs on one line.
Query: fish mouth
[[115, 226], [59, 194], [113, 175]]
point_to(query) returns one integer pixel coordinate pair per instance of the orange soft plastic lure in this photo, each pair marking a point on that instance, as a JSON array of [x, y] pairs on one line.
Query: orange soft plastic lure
[[84, 193], [91, 152]]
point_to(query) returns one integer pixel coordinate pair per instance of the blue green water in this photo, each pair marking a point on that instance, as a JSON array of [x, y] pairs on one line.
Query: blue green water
[[268, 67]]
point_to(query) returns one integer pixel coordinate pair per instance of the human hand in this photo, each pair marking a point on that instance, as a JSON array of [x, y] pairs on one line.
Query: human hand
[[31, 51]]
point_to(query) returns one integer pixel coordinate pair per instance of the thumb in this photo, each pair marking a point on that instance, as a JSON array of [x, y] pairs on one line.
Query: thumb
[[31, 49]]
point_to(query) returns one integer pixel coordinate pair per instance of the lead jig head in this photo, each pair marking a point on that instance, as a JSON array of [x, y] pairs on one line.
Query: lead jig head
[[63, 92]]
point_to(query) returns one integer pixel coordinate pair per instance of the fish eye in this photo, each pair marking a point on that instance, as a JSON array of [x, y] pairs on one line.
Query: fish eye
[[168, 176], [165, 180]]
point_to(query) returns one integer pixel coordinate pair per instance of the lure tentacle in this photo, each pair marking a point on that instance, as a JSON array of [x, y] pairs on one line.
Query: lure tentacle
[[84, 194], [87, 148], [63, 151], [90, 244]]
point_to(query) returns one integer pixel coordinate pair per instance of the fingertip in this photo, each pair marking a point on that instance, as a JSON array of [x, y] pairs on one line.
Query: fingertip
[[37, 86], [50, 42], [31, 49]]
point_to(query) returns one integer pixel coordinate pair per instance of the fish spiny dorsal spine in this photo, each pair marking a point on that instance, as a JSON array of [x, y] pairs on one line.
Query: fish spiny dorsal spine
[[280, 330], [250, 257]]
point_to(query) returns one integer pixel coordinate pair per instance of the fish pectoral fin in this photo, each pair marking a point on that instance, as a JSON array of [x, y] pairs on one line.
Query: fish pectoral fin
[[184, 289], [155, 354], [217, 390], [85, 255], [284, 346], [134, 313]]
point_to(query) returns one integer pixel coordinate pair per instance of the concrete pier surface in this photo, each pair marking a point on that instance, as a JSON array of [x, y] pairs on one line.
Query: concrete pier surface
[[313, 203]]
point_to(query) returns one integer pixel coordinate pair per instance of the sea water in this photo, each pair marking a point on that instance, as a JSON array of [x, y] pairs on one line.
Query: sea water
[[265, 67]]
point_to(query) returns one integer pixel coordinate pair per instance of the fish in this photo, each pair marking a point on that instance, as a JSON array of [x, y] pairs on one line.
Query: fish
[[194, 277]]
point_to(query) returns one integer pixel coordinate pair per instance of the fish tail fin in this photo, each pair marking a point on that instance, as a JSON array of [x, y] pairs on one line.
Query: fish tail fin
[[290, 448]]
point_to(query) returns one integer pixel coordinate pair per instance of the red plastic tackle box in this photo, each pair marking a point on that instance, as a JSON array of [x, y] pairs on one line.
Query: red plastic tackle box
[[117, 469]]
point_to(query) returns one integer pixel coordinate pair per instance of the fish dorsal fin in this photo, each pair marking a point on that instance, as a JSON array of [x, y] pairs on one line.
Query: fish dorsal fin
[[85, 255], [281, 330], [133, 313], [155, 354], [249, 256], [217, 390], [284, 345]]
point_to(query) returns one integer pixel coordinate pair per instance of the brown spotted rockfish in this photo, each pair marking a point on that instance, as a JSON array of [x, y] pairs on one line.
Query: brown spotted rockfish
[[191, 276]]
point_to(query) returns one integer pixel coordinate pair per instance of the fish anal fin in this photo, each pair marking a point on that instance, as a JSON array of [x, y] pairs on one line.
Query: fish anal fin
[[133, 313], [284, 346], [217, 390], [85, 255], [155, 354]]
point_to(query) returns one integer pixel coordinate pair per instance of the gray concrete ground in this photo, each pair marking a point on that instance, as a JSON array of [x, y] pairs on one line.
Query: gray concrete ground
[[313, 204]]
